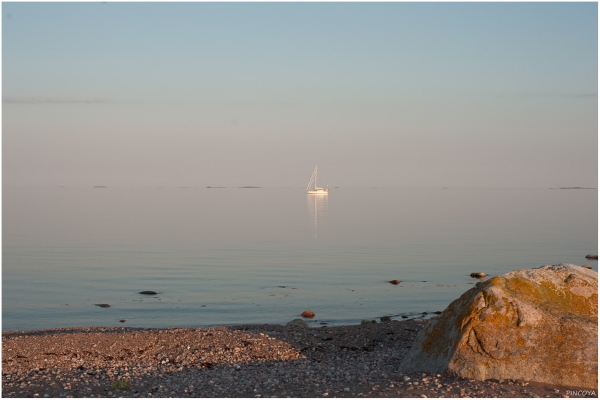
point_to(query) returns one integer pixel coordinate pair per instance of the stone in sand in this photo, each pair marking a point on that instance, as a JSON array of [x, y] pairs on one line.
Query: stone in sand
[[537, 325], [308, 314], [587, 266]]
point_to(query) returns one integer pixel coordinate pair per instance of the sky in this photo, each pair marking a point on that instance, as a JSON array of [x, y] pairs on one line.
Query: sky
[[236, 94]]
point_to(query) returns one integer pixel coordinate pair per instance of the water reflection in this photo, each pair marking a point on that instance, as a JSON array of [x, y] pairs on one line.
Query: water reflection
[[317, 209]]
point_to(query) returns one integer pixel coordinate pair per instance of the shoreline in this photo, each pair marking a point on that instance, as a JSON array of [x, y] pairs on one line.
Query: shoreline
[[235, 361]]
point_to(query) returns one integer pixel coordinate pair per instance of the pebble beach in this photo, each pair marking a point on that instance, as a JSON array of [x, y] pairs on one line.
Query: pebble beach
[[239, 361]]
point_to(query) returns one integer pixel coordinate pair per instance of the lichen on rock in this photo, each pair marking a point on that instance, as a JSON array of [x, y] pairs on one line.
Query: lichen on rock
[[532, 324]]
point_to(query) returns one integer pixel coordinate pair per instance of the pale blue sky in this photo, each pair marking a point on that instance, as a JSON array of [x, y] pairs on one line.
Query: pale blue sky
[[233, 94]]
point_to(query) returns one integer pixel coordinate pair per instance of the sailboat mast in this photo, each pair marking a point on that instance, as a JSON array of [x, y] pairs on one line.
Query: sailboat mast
[[315, 189]]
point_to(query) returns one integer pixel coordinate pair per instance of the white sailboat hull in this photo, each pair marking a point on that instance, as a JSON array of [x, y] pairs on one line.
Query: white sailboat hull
[[318, 191]]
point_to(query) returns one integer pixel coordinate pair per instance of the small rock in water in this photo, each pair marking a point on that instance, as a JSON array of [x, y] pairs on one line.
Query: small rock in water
[[478, 274], [297, 322], [592, 256], [385, 319], [308, 314], [395, 282], [587, 266], [148, 292], [122, 320], [103, 305]]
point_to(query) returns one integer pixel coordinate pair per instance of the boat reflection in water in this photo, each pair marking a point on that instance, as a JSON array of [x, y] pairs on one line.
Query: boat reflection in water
[[317, 209]]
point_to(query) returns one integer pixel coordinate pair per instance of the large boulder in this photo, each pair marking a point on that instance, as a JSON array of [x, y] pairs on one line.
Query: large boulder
[[534, 324]]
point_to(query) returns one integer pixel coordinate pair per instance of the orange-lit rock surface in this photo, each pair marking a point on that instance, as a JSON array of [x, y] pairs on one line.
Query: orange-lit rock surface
[[533, 324]]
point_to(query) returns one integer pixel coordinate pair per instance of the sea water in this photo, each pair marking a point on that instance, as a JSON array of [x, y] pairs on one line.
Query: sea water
[[226, 256]]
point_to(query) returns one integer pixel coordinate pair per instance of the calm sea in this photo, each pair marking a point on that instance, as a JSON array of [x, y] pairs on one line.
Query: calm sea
[[237, 256]]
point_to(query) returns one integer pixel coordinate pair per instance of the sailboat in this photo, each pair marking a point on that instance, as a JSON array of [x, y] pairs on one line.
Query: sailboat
[[315, 189]]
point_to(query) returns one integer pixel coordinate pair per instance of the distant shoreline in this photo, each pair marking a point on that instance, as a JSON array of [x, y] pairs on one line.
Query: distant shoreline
[[576, 187]]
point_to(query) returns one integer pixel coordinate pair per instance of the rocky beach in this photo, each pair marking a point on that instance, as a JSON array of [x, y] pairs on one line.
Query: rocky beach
[[238, 361]]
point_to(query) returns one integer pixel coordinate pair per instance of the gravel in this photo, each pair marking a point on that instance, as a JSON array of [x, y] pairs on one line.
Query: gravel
[[240, 361]]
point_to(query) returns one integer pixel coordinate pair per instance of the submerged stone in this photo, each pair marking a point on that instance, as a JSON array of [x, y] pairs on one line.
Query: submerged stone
[[297, 322]]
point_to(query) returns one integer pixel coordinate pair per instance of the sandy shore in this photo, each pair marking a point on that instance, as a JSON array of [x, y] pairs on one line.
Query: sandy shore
[[241, 361]]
